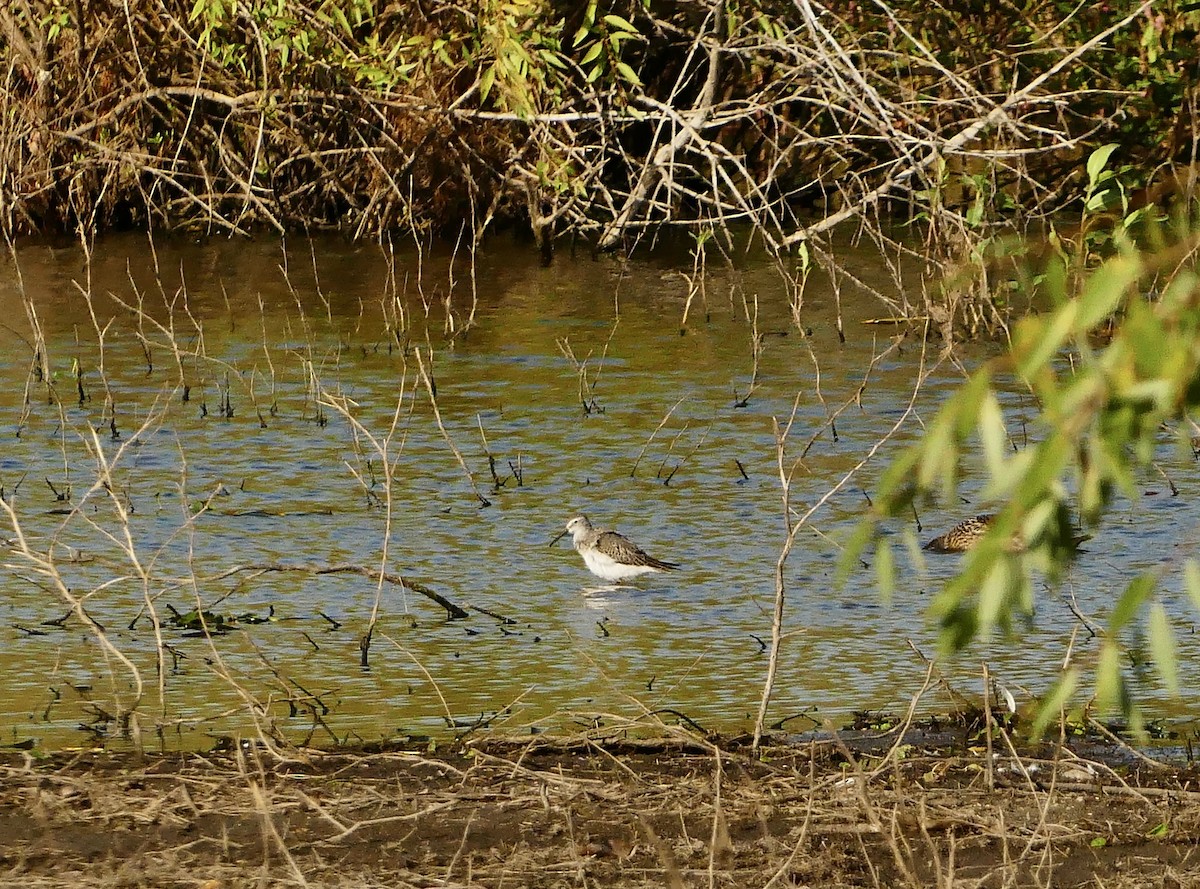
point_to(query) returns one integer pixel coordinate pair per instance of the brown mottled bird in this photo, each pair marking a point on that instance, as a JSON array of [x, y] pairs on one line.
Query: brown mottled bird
[[964, 535]]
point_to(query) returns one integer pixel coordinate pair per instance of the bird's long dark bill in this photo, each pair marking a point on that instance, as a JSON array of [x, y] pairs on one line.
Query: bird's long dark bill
[[559, 537]]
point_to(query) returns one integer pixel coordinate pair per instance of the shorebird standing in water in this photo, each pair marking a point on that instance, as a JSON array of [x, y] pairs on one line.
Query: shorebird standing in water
[[966, 534], [608, 555], [962, 536]]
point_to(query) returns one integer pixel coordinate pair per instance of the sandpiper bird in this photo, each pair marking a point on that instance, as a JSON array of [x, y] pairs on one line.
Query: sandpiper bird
[[608, 555], [962, 536], [966, 534]]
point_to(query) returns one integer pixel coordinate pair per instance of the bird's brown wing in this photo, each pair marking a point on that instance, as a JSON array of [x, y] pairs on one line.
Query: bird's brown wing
[[625, 551]]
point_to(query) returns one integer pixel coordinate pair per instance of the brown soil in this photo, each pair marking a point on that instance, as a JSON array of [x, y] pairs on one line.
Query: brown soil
[[588, 813]]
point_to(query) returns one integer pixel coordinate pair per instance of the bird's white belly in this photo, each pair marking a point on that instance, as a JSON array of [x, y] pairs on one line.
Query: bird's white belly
[[608, 568]]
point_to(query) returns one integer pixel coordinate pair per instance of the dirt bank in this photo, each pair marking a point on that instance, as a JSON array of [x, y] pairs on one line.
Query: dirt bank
[[834, 812]]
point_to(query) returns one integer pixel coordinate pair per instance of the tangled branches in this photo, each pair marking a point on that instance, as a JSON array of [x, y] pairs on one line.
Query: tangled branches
[[787, 118]]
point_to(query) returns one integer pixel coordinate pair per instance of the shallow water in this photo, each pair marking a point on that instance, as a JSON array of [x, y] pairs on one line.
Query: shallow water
[[201, 495]]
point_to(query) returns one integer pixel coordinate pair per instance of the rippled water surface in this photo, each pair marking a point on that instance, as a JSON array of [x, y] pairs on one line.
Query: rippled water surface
[[303, 371]]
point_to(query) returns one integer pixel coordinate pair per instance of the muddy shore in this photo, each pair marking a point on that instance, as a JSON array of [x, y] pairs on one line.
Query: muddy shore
[[863, 809]]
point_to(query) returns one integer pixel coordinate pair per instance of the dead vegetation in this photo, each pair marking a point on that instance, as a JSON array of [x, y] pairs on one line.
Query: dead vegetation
[[608, 120], [598, 811]]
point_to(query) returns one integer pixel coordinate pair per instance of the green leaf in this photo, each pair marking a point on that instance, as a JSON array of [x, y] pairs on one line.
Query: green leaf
[[939, 452], [896, 487], [628, 74], [993, 434], [1105, 289], [486, 81], [1098, 843], [1098, 160], [1040, 341], [1133, 218], [615, 21], [1055, 277], [805, 259], [1110, 685], [1037, 520], [995, 596], [959, 625], [969, 397], [1131, 600], [1097, 201], [863, 533], [592, 54], [1056, 701], [975, 213], [340, 18], [1191, 581], [1162, 646]]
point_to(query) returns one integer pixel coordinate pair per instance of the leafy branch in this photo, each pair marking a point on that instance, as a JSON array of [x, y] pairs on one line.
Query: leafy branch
[[1101, 415]]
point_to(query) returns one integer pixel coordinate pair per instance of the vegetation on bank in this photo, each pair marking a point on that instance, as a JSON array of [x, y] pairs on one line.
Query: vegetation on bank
[[607, 120]]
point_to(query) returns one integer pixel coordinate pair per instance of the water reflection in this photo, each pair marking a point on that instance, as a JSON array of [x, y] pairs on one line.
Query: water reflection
[[299, 364]]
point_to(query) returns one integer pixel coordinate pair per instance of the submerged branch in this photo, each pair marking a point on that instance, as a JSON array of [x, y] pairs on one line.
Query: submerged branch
[[452, 611]]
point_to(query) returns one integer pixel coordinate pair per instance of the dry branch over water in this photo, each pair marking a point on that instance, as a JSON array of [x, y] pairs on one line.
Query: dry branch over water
[[598, 811]]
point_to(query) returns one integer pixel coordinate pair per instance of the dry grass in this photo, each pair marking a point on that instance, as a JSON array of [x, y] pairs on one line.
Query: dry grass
[[590, 813]]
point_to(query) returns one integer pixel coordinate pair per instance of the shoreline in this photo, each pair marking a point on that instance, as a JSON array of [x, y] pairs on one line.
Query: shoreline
[[858, 809]]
